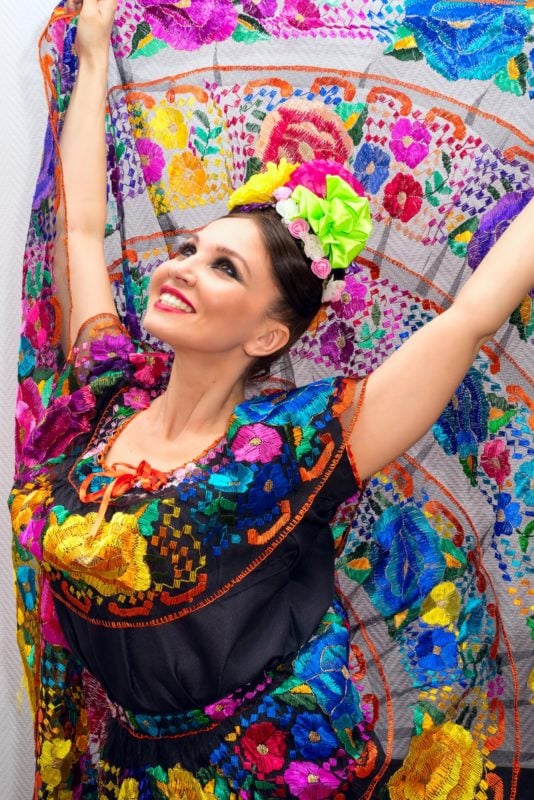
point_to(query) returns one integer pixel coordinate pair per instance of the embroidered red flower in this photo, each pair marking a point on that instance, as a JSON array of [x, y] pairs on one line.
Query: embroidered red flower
[[495, 460], [265, 747], [300, 130], [403, 197]]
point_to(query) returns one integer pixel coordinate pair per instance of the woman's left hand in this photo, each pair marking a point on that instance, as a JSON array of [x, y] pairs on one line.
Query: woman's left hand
[[94, 26]]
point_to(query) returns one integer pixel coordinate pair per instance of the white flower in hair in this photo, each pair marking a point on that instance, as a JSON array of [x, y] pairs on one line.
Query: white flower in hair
[[313, 247], [287, 209]]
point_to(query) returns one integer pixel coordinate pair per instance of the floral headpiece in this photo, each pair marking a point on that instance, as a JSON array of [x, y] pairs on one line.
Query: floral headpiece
[[323, 206]]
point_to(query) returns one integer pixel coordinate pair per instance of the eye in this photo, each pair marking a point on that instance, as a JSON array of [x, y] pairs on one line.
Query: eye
[[228, 267], [187, 249]]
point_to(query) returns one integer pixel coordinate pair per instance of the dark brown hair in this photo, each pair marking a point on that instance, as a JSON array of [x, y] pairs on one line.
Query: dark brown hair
[[300, 289]]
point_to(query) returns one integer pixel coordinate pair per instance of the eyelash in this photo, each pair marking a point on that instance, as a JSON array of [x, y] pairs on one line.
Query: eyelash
[[224, 264]]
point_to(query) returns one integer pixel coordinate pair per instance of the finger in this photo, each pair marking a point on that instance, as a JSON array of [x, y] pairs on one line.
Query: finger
[[74, 5]]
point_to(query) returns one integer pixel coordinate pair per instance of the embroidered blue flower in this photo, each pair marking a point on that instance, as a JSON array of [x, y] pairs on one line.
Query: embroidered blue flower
[[507, 515], [437, 652], [313, 736], [464, 422], [524, 483], [467, 40], [371, 167], [406, 558]]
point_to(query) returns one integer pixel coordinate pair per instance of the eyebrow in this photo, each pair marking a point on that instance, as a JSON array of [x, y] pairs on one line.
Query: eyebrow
[[225, 250]]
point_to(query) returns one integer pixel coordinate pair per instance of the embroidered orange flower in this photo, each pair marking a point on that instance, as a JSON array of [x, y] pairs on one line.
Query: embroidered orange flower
[[111, 558], [187, 176], [443, 763], [302, 130]]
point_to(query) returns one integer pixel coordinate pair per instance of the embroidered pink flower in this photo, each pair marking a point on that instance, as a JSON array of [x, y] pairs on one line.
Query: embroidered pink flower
[[149, 366], [152, 159], [265, 747], [495, 460], [51, 629], [309, 781], [66, 418], [403, 197], [222, 708], [28, 412], [300, 130], [302, 14], [312, 175], [136, 398], [409, 141], [321, 268], [39, 323], [257, 442], [298, 228], [351, 299], [187, 26]]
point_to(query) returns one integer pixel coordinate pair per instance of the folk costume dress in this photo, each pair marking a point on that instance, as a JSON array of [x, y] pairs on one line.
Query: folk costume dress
[[429, 105]]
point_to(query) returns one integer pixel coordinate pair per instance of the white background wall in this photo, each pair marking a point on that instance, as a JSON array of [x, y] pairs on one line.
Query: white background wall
[[21, 134]]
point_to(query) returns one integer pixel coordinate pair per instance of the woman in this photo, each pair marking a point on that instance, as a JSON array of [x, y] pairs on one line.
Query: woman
[[196, 591]]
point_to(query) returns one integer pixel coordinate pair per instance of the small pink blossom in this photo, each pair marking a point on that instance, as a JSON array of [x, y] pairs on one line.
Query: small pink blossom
[[351, 299], [409, 141], [333, 291], [309, 781], [257, 442], [321, 268], [149, 366], [136, 398], [298, 228], [282, 193], [495, 460], [222, 708]]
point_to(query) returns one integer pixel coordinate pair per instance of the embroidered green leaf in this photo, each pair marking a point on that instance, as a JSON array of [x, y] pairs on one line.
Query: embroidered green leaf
[[357, 565], [248, 30], [525, 535], [512, 77], [530, 623], [216, 131], [203, 117], [434, 186], [446, 160], [353, 116], [61, 513], [523, 318], [148, 518], [499, 422], [149, 48], [202, 134], [493, 192], [254, 166], [299, 697], [141, 32], [376, 313], [422, 712], [460, 237], [404, 46]]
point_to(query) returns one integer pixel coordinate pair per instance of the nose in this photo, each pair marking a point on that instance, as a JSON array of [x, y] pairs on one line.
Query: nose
[[182, 269]]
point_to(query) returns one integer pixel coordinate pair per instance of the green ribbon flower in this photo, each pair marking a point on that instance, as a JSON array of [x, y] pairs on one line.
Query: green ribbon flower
[[341, 221]]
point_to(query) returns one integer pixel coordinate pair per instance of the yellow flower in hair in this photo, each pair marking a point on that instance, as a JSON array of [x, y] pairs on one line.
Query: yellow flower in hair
[[260, 187]]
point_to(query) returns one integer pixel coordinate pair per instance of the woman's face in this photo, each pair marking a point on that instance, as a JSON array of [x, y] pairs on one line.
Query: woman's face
[[215, 296]]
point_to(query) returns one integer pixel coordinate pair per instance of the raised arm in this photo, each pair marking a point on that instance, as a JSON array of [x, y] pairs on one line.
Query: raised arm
[[81, 279], [407, 393]]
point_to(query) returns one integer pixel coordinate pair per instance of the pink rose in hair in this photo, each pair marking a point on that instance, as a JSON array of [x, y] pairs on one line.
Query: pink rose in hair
[[298, 228], [321, 268], [312, 175]]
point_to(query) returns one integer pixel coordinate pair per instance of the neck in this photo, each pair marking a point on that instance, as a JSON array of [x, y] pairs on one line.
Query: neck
[[199, 397]]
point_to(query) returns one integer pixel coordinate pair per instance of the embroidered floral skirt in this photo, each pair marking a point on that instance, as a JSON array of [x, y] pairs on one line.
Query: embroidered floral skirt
[[298, 733]]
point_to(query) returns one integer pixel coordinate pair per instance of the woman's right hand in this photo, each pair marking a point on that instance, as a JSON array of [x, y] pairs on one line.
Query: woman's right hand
[[94, 26]]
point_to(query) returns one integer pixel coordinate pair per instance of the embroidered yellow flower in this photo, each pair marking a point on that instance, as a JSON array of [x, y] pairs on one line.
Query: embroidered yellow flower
[[25, 504], [55, 761], [443, 763], [260, 187], [183, 785], [168, 127], [129, 790], [442, 605], [111, 558], [187, 176]]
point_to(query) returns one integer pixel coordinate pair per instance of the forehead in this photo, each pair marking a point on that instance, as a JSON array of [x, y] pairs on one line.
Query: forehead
[[235, 231]]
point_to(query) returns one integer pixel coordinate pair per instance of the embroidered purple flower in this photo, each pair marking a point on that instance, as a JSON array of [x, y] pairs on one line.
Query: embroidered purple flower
[[351, 298], [152, 159], [45, 181], [260, 9], [136, 398], [409, 141], [496, 686], [222, 708], [188, 26], [493, 224], [313, 737], [508, 515], [371, 167], [66, 418], [336, 344], [301, 14], [149, 367], [310, 781], [109, 348], [28, 412], [257, 442]]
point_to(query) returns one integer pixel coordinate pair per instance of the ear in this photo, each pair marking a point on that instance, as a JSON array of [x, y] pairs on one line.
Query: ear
[[273, 337]]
